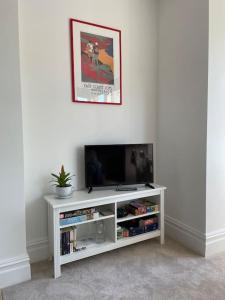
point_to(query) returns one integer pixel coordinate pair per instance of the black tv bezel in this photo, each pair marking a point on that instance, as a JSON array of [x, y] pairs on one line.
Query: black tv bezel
[[114, 185]]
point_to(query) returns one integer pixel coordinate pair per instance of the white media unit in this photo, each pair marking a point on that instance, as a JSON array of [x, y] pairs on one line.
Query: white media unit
[[106, 199]]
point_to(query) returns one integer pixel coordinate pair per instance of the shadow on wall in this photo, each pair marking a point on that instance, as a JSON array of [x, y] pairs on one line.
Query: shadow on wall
[[79, 182], [35, 205]]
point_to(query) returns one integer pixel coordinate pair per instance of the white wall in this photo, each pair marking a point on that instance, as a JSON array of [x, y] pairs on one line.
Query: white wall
[[215, 205], [14, 262], [182, 117], [55, 129]]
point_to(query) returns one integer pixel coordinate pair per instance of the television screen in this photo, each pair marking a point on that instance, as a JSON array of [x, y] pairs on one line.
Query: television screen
[[107, 165]]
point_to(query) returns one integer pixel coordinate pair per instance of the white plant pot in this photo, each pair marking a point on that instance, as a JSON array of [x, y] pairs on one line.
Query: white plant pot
[[62, 192]]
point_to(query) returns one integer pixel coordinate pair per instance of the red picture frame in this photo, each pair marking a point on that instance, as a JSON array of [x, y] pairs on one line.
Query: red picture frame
[[96, 63]]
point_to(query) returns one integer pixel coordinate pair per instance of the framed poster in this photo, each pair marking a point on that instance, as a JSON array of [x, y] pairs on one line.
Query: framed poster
[[96, 63]]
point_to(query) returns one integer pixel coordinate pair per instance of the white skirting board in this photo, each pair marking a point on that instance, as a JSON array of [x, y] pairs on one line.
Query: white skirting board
[[14, 270], [186, 235], [38, 250], [215, 242], [201, 243]]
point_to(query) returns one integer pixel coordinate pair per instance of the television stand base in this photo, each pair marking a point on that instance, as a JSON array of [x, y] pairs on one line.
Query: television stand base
[[124, 189], [90, 189], [150, 185]]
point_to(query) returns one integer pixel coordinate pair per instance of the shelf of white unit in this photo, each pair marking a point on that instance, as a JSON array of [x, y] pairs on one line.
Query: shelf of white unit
[[108, 245], [88, 221], [138, 237], [91, 249], [131, 217]]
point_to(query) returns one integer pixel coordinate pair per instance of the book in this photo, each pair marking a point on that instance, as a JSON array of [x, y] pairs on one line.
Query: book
[[150, 206], [68, 240], [150, 227], [72, 220], [137, 208], [75, 213], [71, 247], [64, 249], [74, 237], [106, 212], [148, 221]]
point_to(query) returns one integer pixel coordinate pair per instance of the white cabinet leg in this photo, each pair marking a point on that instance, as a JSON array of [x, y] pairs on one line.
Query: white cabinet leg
[[162, 232], [57, 269], [57, 266]]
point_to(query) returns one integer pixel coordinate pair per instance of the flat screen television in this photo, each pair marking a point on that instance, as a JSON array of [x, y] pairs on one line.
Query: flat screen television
[[113, 165]]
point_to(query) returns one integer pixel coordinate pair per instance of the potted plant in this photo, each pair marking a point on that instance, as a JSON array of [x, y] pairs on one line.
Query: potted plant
[[62, 183]]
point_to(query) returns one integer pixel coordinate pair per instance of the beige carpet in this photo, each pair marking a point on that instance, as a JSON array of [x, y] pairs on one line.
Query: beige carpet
[[142, 271]]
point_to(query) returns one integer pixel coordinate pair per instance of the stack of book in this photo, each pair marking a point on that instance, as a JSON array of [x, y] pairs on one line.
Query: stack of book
[[150, 206], [135, 227], [137, 207], [142, 206], [77, 216], [68, 238], [148, 221]]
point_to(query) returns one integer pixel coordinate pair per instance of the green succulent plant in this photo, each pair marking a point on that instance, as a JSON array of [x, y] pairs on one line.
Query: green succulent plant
[[63, 179]]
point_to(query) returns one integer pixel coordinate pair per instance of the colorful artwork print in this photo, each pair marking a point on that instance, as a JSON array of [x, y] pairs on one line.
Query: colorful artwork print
[[96, 71], [96, 59]]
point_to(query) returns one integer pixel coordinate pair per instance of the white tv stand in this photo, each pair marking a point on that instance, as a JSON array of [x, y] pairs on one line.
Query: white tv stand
[[107, 199]]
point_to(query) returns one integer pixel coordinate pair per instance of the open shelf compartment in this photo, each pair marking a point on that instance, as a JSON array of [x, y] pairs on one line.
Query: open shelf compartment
[[85, 236], [104, 212], [130, 227]]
